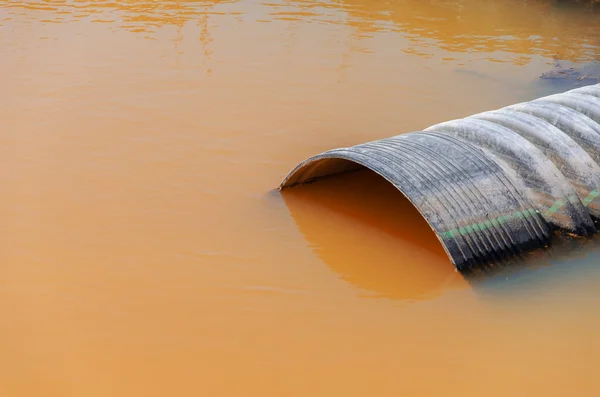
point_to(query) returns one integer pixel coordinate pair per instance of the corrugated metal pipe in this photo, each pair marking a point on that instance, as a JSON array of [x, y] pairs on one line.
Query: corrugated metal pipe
[[493, 184]]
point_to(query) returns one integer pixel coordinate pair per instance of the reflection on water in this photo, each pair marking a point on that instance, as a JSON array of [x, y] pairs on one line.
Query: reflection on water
[[568, 264], [519, 27], [567, 30], [135, 16], [366, 231]]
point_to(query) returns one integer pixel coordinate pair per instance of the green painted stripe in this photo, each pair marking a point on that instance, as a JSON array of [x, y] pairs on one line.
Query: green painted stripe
[[593, 194], [463, 231], [488, 224], [558, 205]]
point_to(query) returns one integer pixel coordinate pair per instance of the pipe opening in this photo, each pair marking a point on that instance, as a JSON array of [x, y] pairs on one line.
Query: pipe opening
[[357, 191], [313, 170], [371, 235], [489, 189]]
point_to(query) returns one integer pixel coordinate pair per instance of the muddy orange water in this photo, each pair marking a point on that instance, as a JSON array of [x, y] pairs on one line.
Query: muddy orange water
[[144, 252]]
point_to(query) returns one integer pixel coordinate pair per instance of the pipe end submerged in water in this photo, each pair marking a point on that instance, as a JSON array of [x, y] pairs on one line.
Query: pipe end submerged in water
[[492, 185]]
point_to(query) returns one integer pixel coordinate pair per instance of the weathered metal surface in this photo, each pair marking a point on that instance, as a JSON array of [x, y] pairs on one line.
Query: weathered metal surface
[[593, 90], [572, 161], [540, 180], [495, 183], [475, 209], [583, 103], [578, 126]]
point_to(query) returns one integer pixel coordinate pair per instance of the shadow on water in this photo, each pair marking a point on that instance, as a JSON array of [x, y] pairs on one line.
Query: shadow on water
[[568, 266], [368, 233], [565, 75]]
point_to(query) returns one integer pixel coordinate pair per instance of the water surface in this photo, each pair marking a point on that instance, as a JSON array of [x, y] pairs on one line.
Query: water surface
[[143, 251]]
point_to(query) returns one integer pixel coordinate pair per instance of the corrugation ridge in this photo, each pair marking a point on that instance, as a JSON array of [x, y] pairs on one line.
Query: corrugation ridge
[[466, 191], [581, 103], [537, 230], [385, 171], [517, 196], [583, 130], [426, 168], [468, 257], [490, 246], [517, 114], [580, 170], [529, 121], [580, 164], [440, 197], [505, 235], [308, 166], [591, 98], [592, 90], [546, 176]]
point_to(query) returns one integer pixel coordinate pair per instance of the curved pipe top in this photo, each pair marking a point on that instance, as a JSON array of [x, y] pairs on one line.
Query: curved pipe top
[[583, 130], [581, 102], [492, 184], [474, 208], [581, 171], [593, 90], [539, 178]]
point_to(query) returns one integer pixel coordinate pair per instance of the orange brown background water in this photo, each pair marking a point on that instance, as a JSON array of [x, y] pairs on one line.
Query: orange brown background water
[[143, 251]]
